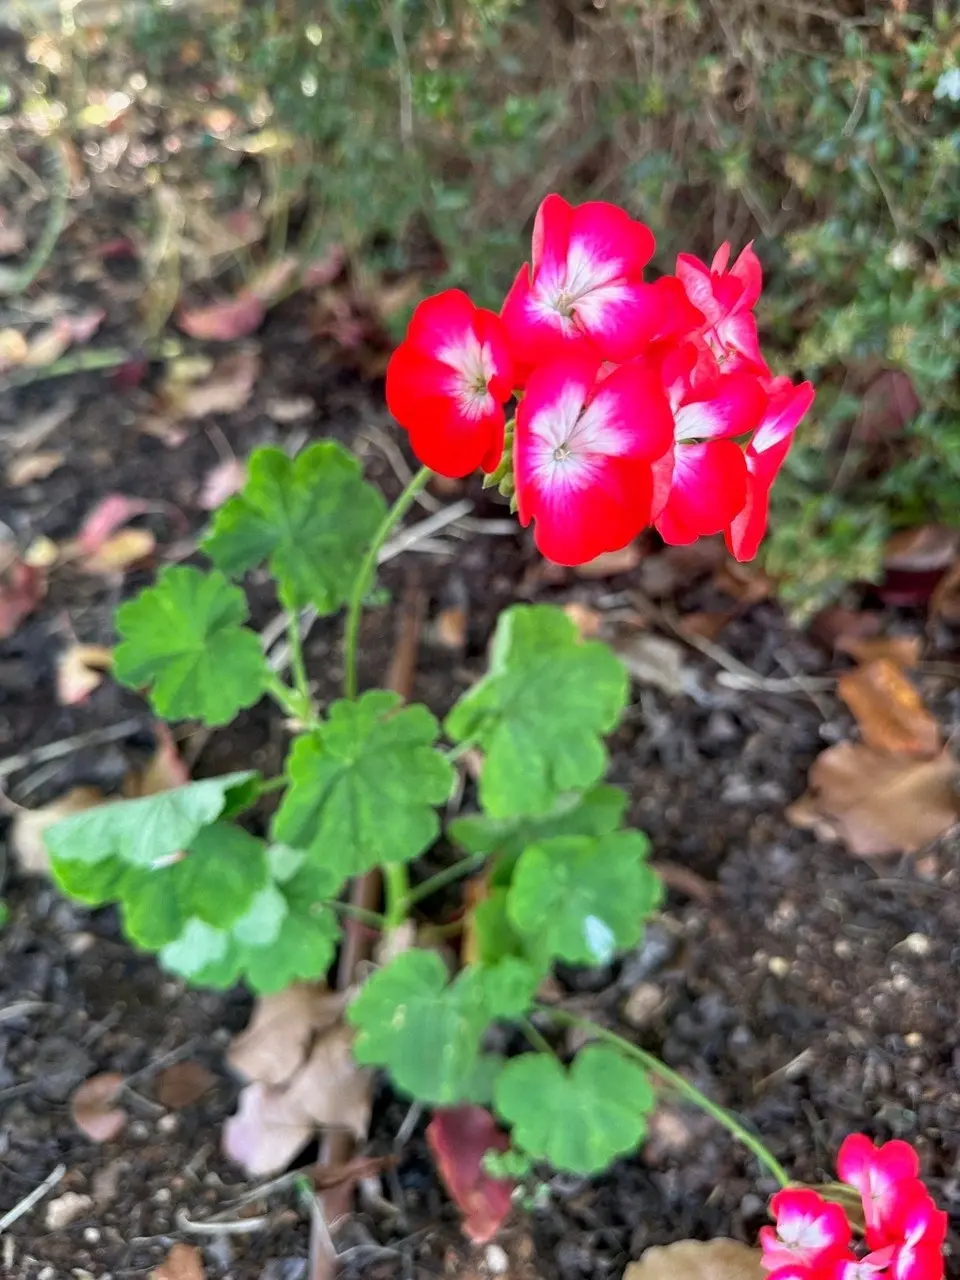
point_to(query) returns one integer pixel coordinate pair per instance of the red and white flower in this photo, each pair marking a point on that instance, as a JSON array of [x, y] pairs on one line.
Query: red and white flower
[[583, 454], [585, 287], [447, 383], [877, 1173], [726, 296], [810, 1231]]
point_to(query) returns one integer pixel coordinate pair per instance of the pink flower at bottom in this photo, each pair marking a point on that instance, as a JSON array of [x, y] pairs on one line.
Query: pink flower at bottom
[[810, 1231], [447, 383], [877, 1172], [583, 452]]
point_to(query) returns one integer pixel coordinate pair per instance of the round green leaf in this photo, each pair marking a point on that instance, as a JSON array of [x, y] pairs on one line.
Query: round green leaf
[[363, 786], [578, 1119], [540, 711], [183, 639], [312, 517], [582, 898]]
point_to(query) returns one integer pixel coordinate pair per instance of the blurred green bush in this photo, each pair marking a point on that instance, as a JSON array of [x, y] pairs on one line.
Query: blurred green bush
[[828, 130]]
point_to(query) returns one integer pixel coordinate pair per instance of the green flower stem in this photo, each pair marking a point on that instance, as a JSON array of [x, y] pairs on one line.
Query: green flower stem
[[361, 583], [298, 666], [448, 876], [372, 918], [538, 1041], [676, 1082], [285, 697], [266, 785], [396, 884], [455, 753]]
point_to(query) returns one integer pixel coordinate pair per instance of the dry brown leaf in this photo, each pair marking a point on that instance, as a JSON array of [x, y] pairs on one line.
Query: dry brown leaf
[[610, 563], [888, 709], [183, 1084], [928, 547], [903, 651], [274, 1045], [654, 660], [14, 349], [226, 390], [589, 622], [747, 583], [450, 627], [165, 768], [835, 624], [50, 344], [26, 831], [94, 1110], [22, 587], [698, 1260], [705, 624], [110, 514], [33, 467], [80, 670], [221, 483], [945, 601], [668, 571], [224, 321], [183, 1262], [121, 551], [878, 803]]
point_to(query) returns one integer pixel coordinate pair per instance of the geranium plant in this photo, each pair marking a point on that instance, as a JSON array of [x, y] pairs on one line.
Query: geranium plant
[[637, 404]]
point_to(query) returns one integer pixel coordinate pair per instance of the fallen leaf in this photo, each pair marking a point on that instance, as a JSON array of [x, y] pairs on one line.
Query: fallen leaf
[[110, 514], [80, 670], [668, 571], [459, 1138], [450, 627], [226, 390], [42, 553], [945, 601], [654, 660], [14, 349], [51, 343], [33, 467], [93, 1107], [22, 587], [26, 831], [183, 1084], [289, 409], [12, 237], [325, 269], [221, 483], [268, 284], [835, 624], [610, 563], [224, 321], [705, 624], [914, 561], [746, 583], [589, 622], [121, 551], [183, 1262], [888, 709], [878, 803], [164, 770], [698, 1260], [904, 651], [273, 1047], [272, 1124]]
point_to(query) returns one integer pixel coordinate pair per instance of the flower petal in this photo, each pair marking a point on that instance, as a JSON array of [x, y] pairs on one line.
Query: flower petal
[[413, 376], [709, 488], [442, 324], [730, 405], [551, 233], [604, 239], [746, 530], [453, 444], [747, 269], [537, 331], [787, 405]]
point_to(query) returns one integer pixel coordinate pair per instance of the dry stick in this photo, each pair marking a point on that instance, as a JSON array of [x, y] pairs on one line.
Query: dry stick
[[36, 1195], [67, 746]]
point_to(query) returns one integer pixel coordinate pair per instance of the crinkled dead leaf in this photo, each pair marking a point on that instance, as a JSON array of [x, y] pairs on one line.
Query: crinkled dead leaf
[[274, 1045], [224, 321], [226, 389], [94, 1110], [80, 670], [110, 514], [889, 710], [49, 344], [930, 546], [22, 587], [183, 1084], [698, 1260], [610, 563], [164, 770], [459, 1138], [183, 1262], [31, 467], [589, 622], [836, 625], [272, 1124], [879, 803], [14, 349], [26, 833], [747, 583], [903, 651], [656, 661], [118, 553], [668, 571], [220, 483]]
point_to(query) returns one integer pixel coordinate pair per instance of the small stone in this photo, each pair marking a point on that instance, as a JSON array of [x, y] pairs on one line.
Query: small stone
[[918, 944], [779, 966], [66, 1209], [168, 1123], [497, 1262], [642, 1004], [91, 1235]]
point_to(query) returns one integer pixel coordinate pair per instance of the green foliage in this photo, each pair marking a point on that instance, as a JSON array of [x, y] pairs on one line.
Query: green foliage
[[539, 712], [583, 1117], [583, 898], [363, 785], [183, 639], [427, 1031], [310, 517]]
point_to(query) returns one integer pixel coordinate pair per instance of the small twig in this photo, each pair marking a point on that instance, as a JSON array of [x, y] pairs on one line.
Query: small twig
[[409, 538], [67, 746], [35, 1196], [80, 362], [322, 1264], [233, 1227], [20, 279]]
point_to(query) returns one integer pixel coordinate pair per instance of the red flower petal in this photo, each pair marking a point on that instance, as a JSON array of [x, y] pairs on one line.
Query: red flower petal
[[786, 407], [733, 405], [747, 528], [709, 488], [459, 1138], [747, 269]]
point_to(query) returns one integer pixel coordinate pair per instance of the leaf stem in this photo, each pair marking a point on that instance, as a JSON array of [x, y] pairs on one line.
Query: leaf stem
[[285, 697], [361, 583], [396, 885], [372, 918], [677, 1082], [536, 1038], [448, 876], [298, 666]]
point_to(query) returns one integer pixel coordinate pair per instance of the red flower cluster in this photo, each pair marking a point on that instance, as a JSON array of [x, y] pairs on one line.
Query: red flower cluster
[[639, 403], [904, 1229]]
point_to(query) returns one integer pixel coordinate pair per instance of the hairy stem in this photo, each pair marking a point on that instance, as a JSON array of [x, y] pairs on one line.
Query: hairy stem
[[397, 893], [286, 698], [298, 667], [450, 875], [361, 584], [679, 1085]]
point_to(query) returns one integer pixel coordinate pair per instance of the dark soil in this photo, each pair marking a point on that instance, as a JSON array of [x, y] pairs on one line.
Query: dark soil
[[812, 993]]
